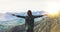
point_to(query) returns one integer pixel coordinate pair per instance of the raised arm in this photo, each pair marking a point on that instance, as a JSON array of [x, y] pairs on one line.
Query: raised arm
[[18, 16]]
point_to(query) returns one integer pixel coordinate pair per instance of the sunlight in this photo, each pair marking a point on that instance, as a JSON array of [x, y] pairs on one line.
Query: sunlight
[[52, 12], [53, 9]]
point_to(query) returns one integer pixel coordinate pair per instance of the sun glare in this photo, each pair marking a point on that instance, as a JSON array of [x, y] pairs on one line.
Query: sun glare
[[53, 9], [52, 13]]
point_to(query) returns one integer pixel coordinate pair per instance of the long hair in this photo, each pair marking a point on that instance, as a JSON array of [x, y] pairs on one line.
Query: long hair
[[29, 13]]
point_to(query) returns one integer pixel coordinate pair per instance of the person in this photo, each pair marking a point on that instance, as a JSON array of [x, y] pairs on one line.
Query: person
[[29, 20]]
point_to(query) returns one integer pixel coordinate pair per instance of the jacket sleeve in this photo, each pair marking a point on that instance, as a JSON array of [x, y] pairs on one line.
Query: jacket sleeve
[[38, 16], [20, 16]]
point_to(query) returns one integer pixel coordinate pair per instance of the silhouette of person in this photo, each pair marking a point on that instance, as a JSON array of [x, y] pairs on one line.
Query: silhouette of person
[[29, 20]]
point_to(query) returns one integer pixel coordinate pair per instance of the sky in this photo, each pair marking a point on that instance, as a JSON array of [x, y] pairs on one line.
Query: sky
[[25, 5]]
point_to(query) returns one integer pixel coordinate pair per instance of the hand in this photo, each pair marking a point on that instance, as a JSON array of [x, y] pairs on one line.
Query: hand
[[13, 14], [45, 14]]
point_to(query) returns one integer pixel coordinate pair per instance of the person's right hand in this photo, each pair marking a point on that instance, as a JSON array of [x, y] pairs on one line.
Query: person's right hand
[[45, 14], [13, 14]]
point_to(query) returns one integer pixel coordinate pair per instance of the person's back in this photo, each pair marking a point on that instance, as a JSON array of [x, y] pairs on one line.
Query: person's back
[[29, 21], [29, 18]]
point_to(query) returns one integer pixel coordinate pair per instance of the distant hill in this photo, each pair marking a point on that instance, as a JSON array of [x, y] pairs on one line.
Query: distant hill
[[7, 16]]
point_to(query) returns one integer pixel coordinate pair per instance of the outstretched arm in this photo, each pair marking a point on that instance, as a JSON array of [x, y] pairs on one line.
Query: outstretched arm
[[38, 16], [18, 16]]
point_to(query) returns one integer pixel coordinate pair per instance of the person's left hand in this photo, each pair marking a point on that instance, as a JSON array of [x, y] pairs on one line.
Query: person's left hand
[[13, 14], [45, 14]]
